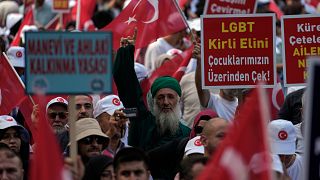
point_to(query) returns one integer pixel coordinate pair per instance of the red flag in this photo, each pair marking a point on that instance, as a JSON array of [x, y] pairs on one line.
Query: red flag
[[11, 88], [244, 153], [276, 98], [86, 11], [275, 8], [47, 161], [28, 20], [175, 67], [153, 19]]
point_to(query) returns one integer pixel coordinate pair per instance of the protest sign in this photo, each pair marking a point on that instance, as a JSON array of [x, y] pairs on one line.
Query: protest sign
[[312, 123], [230, 6], [60, 6], [301, 39], [238, 51], [68, 62]]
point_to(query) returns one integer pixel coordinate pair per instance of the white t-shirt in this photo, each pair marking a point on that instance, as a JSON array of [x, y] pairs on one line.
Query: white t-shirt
[[154, 50], [295, 171], [225, 109]]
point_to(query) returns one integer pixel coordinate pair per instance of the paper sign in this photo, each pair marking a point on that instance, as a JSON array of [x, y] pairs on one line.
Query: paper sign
[[301, 39], [238, 51], [230, 6], [69, 62]]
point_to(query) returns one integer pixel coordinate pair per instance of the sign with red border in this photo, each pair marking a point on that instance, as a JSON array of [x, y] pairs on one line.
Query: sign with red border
[[60, 5], [301, 39], [238, 51], [230, 6]]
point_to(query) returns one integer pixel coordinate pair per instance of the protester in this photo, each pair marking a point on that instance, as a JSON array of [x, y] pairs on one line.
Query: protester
[[191, 167], [283, 143], [98, 168], [131, 163], [199, 121], [11, 166], [84, 106], [212, 134], [17, 138], [90, 138], [108, 112], [148, 131], [194, 147], [225, 103]]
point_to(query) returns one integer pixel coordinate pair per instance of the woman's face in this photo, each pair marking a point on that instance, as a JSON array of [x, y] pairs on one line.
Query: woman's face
[[11, 137]]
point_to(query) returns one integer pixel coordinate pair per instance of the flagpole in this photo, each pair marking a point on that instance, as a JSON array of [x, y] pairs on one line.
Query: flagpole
[[185, 20], [15, 72], [78, 15]]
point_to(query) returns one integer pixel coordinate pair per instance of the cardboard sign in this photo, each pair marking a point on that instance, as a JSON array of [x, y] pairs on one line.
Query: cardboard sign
[[68, 62], [312, 123], [230, 6], [301, 38], [238, 51], [60, 6]]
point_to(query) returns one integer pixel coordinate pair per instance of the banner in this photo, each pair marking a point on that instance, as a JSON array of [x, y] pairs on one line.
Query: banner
[[301, 38], [230, 7], [238, 51], [69, 62]]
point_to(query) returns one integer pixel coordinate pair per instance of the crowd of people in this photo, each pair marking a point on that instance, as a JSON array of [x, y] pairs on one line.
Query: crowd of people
[[177, 126]]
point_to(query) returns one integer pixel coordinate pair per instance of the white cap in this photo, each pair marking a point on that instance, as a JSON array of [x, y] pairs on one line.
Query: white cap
[[193, 146], [195, 24], [173, 52], [12, 19], [276, 163], [282, 136], [8, 121], [57, 100], [27, 28], [16, 56], [141, 71], [108, 104]]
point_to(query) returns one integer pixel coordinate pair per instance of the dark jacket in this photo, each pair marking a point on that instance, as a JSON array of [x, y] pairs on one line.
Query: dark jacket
[[143, 130]]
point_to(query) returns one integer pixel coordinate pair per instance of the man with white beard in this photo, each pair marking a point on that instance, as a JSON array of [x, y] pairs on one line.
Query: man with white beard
[[148, 129]]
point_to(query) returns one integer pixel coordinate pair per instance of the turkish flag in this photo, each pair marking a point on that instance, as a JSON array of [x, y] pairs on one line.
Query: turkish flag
[[86, 11], [47, 161], [176, 68], [153, 19], [12, 91], [275, 8], [244, 153], [28, 20]]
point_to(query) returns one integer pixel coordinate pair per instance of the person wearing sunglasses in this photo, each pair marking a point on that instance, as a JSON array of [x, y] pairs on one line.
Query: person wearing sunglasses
[[113, 122], [91, 140], [200, 120]]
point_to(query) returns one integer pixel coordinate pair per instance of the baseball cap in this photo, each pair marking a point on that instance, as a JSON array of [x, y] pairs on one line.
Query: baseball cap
[[108, 104], [16, 56], [141, 71], [282, 136], [8, 121], [57, 100], [193, 146]]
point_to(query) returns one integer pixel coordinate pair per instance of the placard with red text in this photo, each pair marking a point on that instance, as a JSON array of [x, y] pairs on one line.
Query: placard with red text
[[230, 6]]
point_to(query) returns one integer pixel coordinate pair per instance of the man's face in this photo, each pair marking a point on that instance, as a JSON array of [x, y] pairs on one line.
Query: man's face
[[10, 166], [57, 115], [167, 111], [91, 146], [132, 170], [104, 123], [217, 132], [84, 107], [166, 99], [11, 137]]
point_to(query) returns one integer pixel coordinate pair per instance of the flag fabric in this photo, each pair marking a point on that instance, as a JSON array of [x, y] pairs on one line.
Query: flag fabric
[[47, 160], [86, 11], [28, 20], [175, 67], [11, 89], [276, 97], [244, 153], [275, 8], [153, 19]]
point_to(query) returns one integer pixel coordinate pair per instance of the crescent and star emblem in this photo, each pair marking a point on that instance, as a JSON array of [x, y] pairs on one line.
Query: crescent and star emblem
[[154, 4]]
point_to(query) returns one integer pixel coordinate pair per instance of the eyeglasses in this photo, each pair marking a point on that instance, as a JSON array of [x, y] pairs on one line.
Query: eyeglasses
[[89, 140], [198, 129], [61, 115]]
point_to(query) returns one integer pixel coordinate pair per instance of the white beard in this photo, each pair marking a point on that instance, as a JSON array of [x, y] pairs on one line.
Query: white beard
[[167, 122]]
